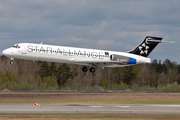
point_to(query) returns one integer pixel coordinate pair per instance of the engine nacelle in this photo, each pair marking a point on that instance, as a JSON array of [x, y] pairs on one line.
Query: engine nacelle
[[122, 59]]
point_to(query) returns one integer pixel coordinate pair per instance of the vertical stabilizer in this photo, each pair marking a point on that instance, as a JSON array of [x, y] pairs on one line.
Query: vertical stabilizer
[[147, 46]]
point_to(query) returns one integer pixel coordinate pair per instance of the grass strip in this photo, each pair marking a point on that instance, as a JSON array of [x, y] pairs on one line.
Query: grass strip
[[89, 99]]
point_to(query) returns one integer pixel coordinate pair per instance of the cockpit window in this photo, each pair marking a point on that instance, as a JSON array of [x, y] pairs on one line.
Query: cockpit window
[[16, 46]]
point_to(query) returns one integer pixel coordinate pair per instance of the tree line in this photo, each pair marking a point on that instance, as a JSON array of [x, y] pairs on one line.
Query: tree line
[[29, 75]]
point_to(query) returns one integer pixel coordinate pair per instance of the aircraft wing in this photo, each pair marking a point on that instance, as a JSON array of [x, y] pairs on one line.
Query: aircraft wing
[[98, 63]]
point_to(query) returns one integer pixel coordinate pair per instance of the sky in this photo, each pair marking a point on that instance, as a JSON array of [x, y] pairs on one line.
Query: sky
[[116, 25]]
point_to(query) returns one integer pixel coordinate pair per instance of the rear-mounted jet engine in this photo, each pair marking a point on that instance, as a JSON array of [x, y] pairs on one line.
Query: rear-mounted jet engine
[[122, 59]]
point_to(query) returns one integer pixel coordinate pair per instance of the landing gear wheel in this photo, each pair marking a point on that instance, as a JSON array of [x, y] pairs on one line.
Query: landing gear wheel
[[92, 69], [84, 69], [11, 62]]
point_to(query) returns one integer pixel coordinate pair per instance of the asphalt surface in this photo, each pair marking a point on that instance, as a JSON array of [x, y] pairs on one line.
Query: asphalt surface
[[79, 108]]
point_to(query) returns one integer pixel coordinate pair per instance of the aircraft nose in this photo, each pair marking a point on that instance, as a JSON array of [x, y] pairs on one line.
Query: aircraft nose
[[6, 52]]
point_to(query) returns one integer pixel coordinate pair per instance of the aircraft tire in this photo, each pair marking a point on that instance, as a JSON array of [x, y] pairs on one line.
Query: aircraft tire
[[84, 69], [92, 70], [11, 62]]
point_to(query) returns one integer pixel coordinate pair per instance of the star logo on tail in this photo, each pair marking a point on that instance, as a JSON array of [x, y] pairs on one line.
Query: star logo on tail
[[144, 49]]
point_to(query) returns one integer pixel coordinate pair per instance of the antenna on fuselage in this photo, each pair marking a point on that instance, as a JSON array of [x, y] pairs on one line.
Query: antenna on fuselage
[[41, 43]]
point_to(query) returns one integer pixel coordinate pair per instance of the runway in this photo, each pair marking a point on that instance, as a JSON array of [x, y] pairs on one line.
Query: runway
[[82, 108]]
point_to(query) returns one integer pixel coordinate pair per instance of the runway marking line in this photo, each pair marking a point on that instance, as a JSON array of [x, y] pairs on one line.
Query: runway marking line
[[95, 106], [123, 106]]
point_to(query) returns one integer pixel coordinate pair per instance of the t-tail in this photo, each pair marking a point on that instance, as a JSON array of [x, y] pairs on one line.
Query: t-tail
[[147, 46]]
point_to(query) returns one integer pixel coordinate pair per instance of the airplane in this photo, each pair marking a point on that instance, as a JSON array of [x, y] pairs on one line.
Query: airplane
[[82, 56]]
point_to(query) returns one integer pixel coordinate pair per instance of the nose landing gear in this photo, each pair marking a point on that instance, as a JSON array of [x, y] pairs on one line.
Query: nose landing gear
[[11, 61]]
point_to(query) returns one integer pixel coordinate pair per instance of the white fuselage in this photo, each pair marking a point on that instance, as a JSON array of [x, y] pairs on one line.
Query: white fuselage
[[72, 55]]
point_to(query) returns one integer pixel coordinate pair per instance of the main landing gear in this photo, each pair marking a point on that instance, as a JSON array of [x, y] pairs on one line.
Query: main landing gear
[[85, 69], [92, 69]]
